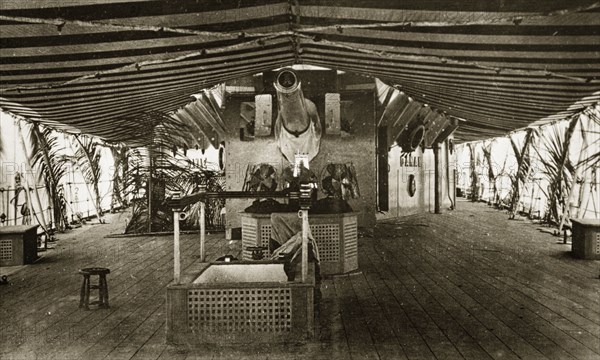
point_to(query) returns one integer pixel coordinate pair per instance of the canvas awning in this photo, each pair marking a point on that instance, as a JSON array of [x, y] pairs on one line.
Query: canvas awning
[[98, 66]]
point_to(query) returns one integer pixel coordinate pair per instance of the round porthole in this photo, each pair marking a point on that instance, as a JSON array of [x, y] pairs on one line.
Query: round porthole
[[412, 185]]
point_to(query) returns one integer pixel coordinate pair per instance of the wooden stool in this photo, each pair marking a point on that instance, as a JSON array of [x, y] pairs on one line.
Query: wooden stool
[[102, 286]]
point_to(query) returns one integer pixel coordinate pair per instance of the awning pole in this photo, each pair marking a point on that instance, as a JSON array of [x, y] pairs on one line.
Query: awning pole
[[176, 253], [437, 182], [150, 171], [202, 230], [304, 245]]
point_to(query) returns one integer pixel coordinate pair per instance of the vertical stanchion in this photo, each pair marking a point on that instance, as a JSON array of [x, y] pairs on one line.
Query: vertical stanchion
[[454, 175], [437, 182], [202, 230], [8, 205], [150, 171], [29, 203], [176, 254], [304, 245], [177, 208]]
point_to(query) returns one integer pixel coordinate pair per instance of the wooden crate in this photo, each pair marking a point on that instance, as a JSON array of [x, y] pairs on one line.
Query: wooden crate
[[231, 313], [586, 238], [18, 245], [336, 236]]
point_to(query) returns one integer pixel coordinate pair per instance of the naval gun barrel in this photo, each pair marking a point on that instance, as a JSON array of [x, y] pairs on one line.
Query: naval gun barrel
[[293, 108]]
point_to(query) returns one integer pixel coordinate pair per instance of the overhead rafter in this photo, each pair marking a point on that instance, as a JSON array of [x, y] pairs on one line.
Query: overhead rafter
[[96, 67]]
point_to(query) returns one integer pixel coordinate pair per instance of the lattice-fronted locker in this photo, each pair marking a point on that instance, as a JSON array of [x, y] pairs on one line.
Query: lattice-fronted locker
[[336, 236], [18, 245]]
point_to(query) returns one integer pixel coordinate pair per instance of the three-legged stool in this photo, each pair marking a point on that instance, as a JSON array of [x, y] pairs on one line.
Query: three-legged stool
[[102, 286]]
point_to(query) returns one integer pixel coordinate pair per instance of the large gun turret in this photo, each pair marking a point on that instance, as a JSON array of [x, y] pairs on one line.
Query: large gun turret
[[298, 127]]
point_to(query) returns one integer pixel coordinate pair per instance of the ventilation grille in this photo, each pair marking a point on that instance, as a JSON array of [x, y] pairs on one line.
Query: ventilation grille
[[327, 237], [249, 232], [350, 239], [240, 310], [265, 235], [6, 250], [252, 236]]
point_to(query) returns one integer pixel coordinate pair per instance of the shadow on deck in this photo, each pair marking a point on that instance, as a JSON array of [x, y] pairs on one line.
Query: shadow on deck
[[464, 284]]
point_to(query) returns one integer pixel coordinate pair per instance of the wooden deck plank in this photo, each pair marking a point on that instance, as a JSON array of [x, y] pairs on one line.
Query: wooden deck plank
[[374, 320], [532, 281], [472, 266], [535, 280], [56, 287], [411, 342], [464, 284], [64, 286], [173, 353], [557, 257], [488, 236], [527, 324], [99, 347], [36, 326], [114, 337], [464, 343], [70, 328], [138, 338], [87, 333], [92, 344], [154, 346], [540, 303], [396, 307], [76, 248], [542, 266], [533, 313], [583, 316], [484, 294], [489, 342], [331, 328], [359, 339], [63, 304], [123, 297], [572, 320], [491, 323], [382, 333]]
